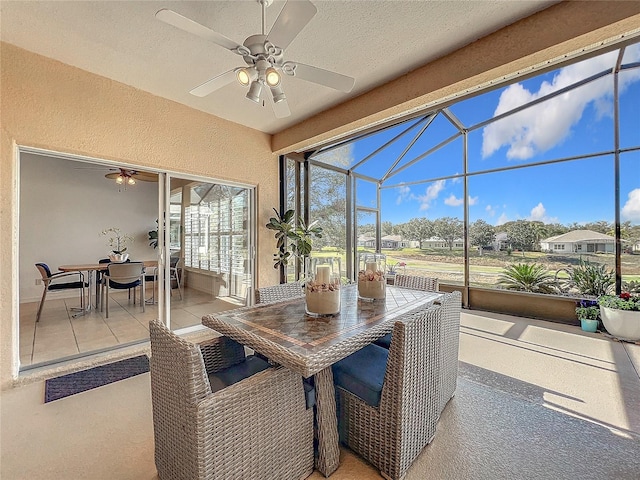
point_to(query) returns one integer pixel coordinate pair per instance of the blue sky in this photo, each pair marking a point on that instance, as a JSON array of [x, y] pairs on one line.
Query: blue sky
[[575, 123]]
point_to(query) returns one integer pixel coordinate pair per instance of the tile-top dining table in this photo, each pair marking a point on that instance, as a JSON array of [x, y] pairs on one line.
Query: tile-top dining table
[[287, 335]]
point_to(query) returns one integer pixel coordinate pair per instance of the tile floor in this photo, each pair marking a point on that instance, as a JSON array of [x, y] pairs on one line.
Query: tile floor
[[59, 335]]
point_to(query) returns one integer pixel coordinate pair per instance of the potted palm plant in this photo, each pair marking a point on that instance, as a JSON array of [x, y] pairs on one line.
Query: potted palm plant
[[588, 312], [621, 315]]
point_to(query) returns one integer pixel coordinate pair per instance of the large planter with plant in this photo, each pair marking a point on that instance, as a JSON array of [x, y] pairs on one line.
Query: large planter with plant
[[621, 315]]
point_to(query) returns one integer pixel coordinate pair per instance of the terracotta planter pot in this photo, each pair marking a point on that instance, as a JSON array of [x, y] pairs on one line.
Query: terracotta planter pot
[[623, 324]]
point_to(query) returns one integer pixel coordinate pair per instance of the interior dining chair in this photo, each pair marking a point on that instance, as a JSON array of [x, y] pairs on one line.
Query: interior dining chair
[[51, 282], [151, 275], [174, 266], [123, 276]]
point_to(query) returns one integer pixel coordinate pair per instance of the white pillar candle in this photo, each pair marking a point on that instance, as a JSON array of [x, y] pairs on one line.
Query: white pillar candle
[[322, 274], [372, 267]]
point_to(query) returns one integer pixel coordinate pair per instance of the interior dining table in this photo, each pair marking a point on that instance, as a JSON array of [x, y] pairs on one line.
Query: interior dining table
[[91, 269], [309, 345]]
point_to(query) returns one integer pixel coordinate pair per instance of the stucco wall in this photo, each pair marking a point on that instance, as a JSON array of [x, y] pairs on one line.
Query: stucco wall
[[50, 105]]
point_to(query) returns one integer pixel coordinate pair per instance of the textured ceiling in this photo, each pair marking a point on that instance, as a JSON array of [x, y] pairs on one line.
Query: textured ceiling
[[372, 41]]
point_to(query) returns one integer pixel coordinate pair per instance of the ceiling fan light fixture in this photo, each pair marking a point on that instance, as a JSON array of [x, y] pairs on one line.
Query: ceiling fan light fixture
[[119, 179], [244, 76], [254, 91], [273, 77], [131, 181], [278, 94]]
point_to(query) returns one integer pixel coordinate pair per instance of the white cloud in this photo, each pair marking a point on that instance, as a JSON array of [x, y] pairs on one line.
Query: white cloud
[[490, 210], [430, 195], [538, 212], [453, 201], [403, 194], [541, 127], [631, 209], [502, 219]]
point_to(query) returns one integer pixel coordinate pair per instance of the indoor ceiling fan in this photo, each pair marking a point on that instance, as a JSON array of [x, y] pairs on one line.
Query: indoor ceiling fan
[[264, 55], [129, 177]]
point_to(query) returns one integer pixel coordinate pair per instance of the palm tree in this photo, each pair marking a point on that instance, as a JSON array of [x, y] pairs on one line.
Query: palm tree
[[527, 277]]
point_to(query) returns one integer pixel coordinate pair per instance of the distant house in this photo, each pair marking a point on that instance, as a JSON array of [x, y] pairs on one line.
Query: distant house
[[366, 242], [579, 241], [396, 241], [437, 242]]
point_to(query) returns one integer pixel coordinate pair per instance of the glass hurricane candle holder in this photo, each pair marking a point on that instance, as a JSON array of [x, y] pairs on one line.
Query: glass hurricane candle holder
[[322, 290], [372, 284]]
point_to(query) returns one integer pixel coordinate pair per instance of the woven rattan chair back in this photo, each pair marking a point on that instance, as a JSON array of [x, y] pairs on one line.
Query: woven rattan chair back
[[428, 284], [258, 427], [278, 293], [449, 347], [409, 407]]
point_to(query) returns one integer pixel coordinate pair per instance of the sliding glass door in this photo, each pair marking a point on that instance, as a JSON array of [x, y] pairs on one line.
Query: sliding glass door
[[209, 251], [194, 236]]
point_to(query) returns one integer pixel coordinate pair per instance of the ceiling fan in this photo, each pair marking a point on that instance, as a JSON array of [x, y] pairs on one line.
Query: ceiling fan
[[264, 55], [129, 177]]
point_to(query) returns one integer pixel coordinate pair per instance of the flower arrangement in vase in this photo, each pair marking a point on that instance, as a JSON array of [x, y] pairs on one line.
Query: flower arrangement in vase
[[371, 277], [117, 241]]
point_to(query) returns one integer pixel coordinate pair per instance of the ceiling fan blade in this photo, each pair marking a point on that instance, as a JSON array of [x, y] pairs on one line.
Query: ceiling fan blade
[[319, 76], [145, 176], [293, 17], [112, 175], [214, 84], [183, 23], [281, 109]]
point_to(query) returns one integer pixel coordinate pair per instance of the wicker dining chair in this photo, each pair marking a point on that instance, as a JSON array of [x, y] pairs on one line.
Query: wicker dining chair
[[278, 293], [428, 284], [449, 347], [392, 395], [208, 427]]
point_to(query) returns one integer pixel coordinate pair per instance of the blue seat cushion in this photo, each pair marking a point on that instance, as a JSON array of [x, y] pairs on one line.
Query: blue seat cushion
[[228, 376], [384, 342], [309, 392], [63, 286], [124, 286], [362, 373]]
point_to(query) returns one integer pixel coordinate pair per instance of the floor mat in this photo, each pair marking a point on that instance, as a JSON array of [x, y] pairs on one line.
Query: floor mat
[[60, 387]]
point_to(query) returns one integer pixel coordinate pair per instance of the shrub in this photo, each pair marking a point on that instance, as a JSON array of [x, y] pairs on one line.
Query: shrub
[[527, 277], [591, 279]]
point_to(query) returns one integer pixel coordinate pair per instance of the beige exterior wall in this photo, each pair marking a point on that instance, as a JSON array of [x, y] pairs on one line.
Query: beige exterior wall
[[50, 105], [563, 29]]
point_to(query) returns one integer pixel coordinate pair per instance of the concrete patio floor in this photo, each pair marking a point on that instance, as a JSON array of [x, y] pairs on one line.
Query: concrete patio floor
[[535, 400]]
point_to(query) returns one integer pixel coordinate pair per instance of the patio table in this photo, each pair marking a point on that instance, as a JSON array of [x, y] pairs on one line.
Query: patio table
[[284, 333]]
